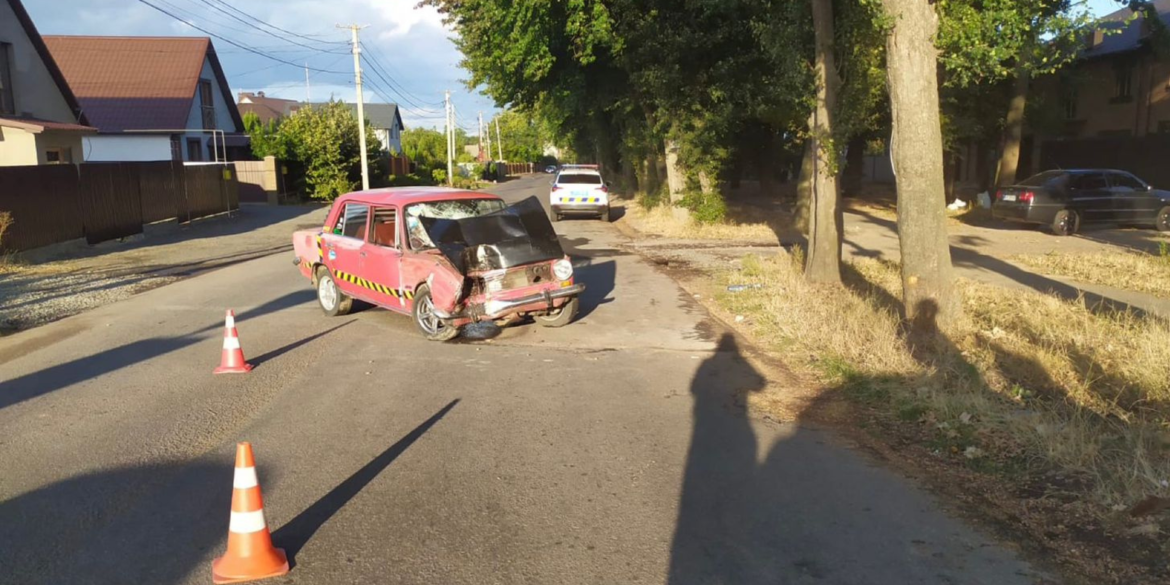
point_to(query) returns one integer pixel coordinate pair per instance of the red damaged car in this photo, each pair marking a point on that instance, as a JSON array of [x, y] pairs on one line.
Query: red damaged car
[[446, 257]]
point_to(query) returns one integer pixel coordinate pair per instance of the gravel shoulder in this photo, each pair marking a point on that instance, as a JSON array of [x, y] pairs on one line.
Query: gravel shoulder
[[51, 283]]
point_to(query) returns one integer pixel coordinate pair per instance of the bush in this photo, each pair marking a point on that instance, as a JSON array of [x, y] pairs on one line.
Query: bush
[[6, 222], [439, 176], [705, 208]]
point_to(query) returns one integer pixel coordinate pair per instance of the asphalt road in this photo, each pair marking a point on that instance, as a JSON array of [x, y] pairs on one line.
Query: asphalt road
[[609, 451]]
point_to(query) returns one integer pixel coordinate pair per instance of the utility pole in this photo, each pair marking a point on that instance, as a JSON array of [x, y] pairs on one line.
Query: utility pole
[[450, 141], [361, 113], [308, 96], [482, 156], [499, 142]]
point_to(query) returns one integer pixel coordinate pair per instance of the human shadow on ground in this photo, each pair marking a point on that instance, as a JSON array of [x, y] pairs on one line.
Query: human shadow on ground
[[297, 532], [806, 509]]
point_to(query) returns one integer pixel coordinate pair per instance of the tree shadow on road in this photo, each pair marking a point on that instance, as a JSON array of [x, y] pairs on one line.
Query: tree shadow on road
[[811, 510], [147, 524], [52, 378], [297, 532]]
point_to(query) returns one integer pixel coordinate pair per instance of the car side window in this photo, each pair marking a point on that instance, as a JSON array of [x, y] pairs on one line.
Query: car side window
[[1126, 182], [351, 222], [383, 229], [1087, 181]]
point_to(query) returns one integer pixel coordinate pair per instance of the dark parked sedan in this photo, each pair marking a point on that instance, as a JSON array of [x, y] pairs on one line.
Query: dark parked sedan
[[1068, 198]]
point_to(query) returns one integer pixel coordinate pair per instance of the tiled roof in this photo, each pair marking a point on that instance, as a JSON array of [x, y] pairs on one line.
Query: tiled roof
[[36, 126], [380, 115], [1129, 36], [134, 83]]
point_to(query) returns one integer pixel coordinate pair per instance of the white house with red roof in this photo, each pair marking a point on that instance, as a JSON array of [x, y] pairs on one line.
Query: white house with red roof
[[41, 121], [152, 98]]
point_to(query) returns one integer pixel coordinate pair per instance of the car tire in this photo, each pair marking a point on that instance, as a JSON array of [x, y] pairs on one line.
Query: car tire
[[554, 216], [430, 325], [1162, 222], [605, 215], [562, 317], [334, 302], [1066, 222]]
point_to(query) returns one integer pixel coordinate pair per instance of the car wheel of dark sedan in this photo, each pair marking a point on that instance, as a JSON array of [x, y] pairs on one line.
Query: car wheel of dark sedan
[[1066, 222], [334, 302], [562, 316], [430, 324], [1163, 221]]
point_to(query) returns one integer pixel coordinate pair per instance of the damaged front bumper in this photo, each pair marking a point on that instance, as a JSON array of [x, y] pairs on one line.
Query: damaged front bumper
[[496, 308]]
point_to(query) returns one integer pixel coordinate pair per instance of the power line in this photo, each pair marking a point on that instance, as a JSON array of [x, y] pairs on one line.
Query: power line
[[267, 32], [377, 71], [277, 28], [234, 43], [381, 69]]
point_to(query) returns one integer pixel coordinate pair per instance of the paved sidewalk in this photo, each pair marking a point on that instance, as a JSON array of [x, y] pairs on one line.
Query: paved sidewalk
[[51, 283]]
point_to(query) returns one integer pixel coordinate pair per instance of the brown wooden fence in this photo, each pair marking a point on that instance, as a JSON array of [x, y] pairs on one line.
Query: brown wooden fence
[[104, 201], [399, 165]]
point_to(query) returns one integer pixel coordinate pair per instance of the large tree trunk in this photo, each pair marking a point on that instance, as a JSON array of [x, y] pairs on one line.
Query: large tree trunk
[[824, 235], [675, 179], [1013, 131], [804, 182], [912, 77]]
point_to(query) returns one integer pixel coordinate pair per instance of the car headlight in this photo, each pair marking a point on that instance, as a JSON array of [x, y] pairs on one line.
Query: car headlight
[[563, 269]]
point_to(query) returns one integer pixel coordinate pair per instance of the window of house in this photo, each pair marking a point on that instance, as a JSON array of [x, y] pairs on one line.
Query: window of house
[[1122, 82], [352, 221], [194, 150], [207, 104], [59, 156], [1070, 103], [382, 230], [7, 96]]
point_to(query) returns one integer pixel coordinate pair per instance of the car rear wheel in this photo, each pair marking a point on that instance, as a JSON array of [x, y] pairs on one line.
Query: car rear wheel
[[554, 216], [562, 316], [428, 322], [604, 215], [1163, 220], [334, 302], [1066, 222]]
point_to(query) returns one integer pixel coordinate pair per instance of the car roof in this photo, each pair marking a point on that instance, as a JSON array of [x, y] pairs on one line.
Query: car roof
[[572, 171], [408, 195]]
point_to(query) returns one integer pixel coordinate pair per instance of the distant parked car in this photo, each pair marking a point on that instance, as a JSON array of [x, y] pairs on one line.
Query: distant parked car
[[1066, 199], [550, 169]]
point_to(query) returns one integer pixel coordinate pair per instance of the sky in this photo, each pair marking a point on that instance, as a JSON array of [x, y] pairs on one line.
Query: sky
[[417, 58]]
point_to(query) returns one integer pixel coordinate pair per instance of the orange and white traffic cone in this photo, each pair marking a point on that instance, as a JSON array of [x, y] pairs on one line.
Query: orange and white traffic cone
[[250, 554], [232, 360]]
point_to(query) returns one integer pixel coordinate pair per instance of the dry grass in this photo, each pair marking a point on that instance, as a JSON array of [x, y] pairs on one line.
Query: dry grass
[[661, 221], [1134, 271], [1025, 382]]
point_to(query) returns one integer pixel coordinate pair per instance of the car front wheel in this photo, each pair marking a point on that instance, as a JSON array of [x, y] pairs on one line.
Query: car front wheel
[[562, 316], [332, 300], [1066, 222], [1163, 220], [433, 327]]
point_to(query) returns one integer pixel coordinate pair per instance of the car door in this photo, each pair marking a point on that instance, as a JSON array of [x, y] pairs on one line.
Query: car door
[[1090, 197], [1132, 199], [343, 247], [381, 260]]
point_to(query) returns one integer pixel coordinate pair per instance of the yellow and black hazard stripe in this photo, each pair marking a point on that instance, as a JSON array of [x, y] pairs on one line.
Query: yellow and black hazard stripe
[[582, 199], [320, 248], [378, 288]]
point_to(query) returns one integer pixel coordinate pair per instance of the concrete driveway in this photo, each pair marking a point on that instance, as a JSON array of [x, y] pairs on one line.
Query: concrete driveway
[[610, 451]]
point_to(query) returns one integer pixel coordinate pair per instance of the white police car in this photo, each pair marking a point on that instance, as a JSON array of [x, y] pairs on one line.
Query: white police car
[[579, 190]]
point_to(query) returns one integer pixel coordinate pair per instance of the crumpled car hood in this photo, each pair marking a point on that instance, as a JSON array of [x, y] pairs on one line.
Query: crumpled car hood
[[514, 236]]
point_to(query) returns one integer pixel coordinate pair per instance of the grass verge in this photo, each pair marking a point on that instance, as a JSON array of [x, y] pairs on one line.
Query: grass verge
[[661, 220], [1026, 384], [1130, 270]]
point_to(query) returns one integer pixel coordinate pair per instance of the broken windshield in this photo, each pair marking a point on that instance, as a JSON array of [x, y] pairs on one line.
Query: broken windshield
[[453, 209]]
